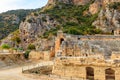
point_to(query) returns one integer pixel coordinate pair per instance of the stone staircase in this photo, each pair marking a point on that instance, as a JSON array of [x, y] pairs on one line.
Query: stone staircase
[[38, 67]]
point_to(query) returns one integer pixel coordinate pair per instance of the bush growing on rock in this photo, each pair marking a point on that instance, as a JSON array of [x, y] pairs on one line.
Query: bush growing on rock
[[115, 5], [16, 39], [26, 54], [29, 20], [31, 47], [5, 46], [36, 14]]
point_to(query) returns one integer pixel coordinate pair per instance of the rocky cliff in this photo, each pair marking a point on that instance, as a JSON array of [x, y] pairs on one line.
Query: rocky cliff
[[79, 17], [35, 26], [10, 20], [108, 20], [75, 2]]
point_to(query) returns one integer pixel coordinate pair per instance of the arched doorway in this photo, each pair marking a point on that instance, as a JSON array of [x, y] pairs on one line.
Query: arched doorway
[[110, 74], [61, 40], [89, 73]]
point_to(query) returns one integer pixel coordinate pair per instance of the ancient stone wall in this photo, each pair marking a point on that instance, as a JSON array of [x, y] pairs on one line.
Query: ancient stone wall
[[73, 45], [77, 67], [41, 55], [36, 55]]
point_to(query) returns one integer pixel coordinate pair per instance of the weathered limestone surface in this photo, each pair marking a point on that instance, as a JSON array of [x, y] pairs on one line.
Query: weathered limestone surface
[[44, 44], [34, 27], [40, 55], [46, 55], [36, 55], [99, 73], [87, 57], [108, 20], [73, 67], [95, 7], [87, 45]]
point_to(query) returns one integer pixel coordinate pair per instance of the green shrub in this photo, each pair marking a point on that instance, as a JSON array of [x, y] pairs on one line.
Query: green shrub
[[29, 20], [35, 14], [24, 19], [20, 48], [26, 54], [5, 46], [44, 19], [52, 32], [115, 5], [16, 39], [31, 47], [14, 48]]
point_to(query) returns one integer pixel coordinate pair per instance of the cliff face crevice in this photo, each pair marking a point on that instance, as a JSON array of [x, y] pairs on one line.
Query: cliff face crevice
[[108, 20]]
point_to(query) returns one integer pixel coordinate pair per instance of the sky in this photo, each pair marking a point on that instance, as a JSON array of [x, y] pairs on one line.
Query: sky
[[6, 5]]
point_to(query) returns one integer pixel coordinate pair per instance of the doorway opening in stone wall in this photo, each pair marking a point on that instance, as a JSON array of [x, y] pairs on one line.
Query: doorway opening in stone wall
[[61, 40], [110, 74], [89, 73]]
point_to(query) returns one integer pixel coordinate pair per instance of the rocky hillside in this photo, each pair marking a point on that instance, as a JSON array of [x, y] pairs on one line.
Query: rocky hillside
[[72, 19], [10, 20], [74, 2], [78, 17], [109, 18]]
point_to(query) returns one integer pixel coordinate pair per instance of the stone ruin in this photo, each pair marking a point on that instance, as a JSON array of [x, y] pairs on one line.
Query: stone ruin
[[78, 45], [92, 57]]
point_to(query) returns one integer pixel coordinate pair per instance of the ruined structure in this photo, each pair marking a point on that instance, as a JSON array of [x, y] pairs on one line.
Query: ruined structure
[[93, 67], [76, 45], [88, 57]]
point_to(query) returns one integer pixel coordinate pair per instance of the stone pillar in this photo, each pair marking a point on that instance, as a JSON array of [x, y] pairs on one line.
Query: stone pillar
[[117, 74], [57, 41], [99, 73], [57, 45]]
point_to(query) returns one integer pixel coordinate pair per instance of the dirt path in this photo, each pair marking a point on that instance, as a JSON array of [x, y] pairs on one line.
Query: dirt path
[[16, 74], [13, 74]]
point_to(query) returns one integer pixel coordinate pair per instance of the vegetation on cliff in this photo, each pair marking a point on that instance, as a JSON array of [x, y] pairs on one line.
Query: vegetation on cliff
[[10, 20], [73, 19], [115, 5], [5, 46]]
